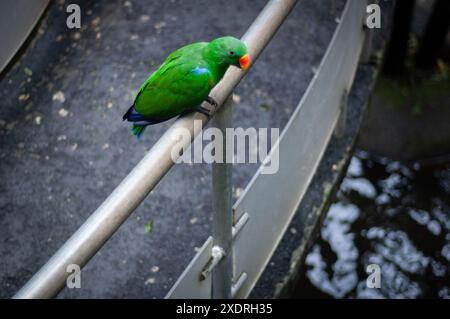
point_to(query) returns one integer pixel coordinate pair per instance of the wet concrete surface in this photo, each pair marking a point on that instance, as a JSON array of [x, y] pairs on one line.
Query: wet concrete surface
[[64, 147]]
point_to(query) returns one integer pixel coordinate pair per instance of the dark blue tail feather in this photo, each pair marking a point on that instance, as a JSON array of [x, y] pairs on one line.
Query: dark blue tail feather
[[139, 121]]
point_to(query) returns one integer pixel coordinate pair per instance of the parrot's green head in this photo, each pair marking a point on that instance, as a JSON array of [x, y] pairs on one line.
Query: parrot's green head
[[231, 51]]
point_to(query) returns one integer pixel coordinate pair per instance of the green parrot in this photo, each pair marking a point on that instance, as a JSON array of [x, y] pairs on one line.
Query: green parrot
[[184, 81]]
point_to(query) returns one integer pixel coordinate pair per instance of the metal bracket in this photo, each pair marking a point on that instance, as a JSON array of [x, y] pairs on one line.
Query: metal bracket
[[238, 284], [217, 253], [239, 225]]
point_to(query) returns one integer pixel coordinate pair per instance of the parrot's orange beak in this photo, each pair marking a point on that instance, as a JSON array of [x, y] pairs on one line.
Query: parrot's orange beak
[[244, 62]]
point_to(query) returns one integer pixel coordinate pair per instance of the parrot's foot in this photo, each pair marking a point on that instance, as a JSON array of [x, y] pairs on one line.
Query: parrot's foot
[[203, 110], [211, 101]]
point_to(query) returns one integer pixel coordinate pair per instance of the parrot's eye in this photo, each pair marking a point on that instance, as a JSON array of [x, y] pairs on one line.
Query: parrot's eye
[[231, 52]]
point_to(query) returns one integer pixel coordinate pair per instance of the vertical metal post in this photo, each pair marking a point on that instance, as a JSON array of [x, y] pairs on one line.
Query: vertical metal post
[[223, 221]]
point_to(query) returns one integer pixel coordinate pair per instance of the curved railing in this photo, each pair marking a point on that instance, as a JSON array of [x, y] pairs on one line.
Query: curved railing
[[246, 234]]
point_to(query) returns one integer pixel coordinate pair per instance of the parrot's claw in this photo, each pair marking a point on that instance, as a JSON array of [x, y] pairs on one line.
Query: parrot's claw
[[211, 101], [203, 110]]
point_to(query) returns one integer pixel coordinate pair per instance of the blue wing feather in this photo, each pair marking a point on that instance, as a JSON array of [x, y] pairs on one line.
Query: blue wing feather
[[198, 70]]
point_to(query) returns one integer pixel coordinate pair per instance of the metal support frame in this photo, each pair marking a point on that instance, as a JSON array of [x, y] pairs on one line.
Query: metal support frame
[[223, 216]]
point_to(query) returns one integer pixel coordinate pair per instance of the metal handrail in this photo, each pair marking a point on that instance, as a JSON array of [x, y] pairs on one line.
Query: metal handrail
[[103, 223]]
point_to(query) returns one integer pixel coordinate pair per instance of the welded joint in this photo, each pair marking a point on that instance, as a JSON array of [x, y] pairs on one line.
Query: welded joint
[[339, 130], [238, 284], [240, 225], [217, 253]]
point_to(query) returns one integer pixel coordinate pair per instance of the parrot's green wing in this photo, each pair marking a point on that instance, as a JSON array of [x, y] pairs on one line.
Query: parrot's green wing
[[181, 82], [186, 51]]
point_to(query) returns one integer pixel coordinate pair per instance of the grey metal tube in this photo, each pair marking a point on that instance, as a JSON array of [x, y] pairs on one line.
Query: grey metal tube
[[102, 224], [223, 216]]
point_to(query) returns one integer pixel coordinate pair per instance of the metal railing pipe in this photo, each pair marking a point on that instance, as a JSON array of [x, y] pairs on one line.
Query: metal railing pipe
[[102, 224]]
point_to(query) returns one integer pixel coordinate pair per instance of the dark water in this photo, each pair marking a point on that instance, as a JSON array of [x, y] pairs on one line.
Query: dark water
[[388, 214]]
